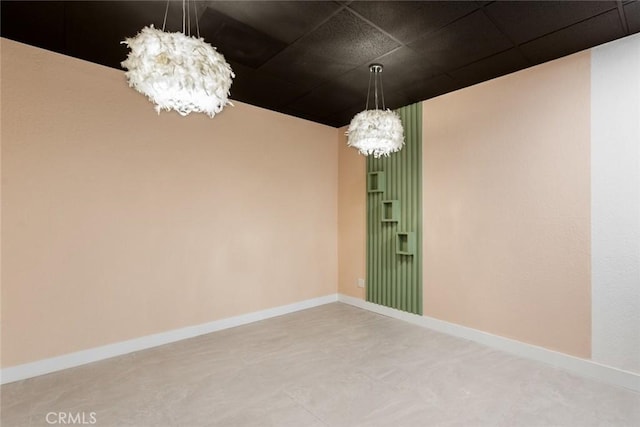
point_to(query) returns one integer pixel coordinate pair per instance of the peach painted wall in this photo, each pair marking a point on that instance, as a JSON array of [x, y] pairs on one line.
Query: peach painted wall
[[507, 206], [118, 223], [1, 220], [352, 218]]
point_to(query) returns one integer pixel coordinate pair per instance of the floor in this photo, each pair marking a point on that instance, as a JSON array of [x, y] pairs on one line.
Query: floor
[[333, 365]]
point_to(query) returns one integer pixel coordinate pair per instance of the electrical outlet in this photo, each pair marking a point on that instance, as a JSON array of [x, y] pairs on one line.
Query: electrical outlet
[[361, 283]]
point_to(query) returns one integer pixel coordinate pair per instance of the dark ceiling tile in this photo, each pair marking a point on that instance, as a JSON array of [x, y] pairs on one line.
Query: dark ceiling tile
[[354, 83], [344, 117], [238, 41], [336, 47], [306, 69], [584, 35], [404, 65], [283, 20], [38, 23], [488, 68], [348, 39], [261, 89], [632, 12], [91, 35], [325, 101], [402, 68], [527, 20], [333, 96], [304, 115], [407, 20], [432, 87], [399, 98], [153, 13], [466, 40]]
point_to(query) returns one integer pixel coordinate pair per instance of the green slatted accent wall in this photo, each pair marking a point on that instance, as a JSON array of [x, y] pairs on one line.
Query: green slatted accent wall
[[394, 221]]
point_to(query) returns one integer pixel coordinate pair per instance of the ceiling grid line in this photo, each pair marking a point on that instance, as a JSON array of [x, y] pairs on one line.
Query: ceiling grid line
[[306, 34], [506, 34], [402, 44], [623, 17]]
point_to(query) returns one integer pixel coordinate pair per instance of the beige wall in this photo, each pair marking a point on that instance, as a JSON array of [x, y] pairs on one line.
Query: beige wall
[[506, 206], [119, 223], [352, 218]]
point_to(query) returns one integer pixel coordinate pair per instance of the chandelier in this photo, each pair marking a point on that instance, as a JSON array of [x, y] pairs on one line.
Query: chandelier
[[177, 71], [378, 131]]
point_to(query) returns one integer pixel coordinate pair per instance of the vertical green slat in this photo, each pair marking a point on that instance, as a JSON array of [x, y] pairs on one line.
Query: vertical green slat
[[405, 201], [412, 202], [406, 195], [408, 224], [392, 161], [388, 283], [379, 243], [420, 236], [374, 244], [414, 306], [418, 120], [415, 207], [379, 255], [418, 178], [396, 280], [370, 282], [410, 209], [388, 257], [400, 177]]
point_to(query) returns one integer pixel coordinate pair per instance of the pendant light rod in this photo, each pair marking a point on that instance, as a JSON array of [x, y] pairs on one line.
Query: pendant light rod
[[166, 12], [382, 90], [366, 107], [187, 6], [375, 72], [375, 85]]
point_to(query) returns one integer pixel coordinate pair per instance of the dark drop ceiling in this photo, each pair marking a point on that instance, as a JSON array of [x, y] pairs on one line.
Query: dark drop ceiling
[[310, 58]]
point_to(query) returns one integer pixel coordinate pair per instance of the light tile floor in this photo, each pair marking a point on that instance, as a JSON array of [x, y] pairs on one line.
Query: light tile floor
[[333, 365]]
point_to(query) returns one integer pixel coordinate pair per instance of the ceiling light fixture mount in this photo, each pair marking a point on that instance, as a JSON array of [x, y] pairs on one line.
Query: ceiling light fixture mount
[[375, 68], [177, 71], [378, 131]]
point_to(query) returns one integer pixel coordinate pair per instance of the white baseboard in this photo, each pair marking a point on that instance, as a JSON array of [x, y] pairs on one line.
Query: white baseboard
[[45, 366], [573, 364]]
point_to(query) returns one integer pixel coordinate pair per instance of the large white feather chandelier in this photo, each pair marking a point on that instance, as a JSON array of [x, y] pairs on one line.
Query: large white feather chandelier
[[378, 131], [177, 71]]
